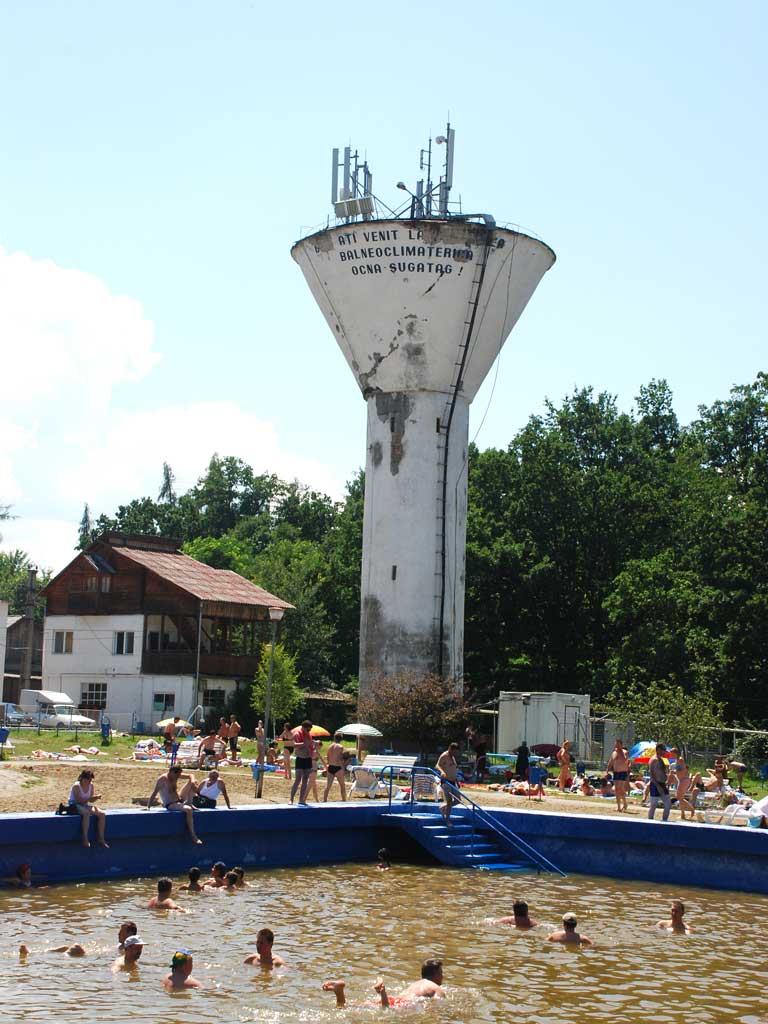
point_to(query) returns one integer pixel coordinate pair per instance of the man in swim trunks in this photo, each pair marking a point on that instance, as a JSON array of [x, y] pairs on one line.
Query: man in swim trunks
[[181, 972], [429, 986], [658, 786], [448, 768], [520, 918], [264, 957], [335, 768], [302, 740], [676, 922], [234, 732], [206, 750], [163, 899], [568, 935], [166, 788], [134, 947], [618, 764]]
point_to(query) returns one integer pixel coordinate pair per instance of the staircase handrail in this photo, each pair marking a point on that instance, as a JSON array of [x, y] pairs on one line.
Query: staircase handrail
[[505, 833]]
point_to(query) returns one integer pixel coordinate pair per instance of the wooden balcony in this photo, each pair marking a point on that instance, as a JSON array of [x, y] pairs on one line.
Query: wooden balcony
[[184, 663]]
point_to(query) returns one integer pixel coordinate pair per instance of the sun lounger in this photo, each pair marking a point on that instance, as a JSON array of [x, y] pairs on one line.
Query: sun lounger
[[370, 783], [189, 755]]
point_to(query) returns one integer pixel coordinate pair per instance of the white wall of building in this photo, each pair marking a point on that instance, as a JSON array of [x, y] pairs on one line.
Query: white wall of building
[[543, 718]]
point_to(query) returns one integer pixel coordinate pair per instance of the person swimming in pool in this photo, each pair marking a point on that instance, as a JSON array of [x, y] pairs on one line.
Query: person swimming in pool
[[521, 918], [676, 923], [181, 972], [568, 934], [429, 986]]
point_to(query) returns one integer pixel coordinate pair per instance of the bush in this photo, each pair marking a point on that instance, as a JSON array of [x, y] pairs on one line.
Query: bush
[[752, 749]]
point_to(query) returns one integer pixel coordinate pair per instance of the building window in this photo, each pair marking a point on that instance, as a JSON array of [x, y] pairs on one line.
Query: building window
[[93, 695], [164, 703], [122, 643], [214, 698], [92, 584], [62, 641], [153, 640], [106, 584]]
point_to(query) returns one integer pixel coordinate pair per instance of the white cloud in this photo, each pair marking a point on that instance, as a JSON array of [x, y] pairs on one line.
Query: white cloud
[[126, 461], [66, 336], [13, 440], [50, 543]]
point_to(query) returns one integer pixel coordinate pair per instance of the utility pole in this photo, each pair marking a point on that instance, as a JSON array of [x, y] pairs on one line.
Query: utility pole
[[29, 631]]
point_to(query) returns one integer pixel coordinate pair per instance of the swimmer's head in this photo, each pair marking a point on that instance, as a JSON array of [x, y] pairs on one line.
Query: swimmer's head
[[520, 908], [678, 907], [164, 886], [219, 869], [76, 950], [126, 928], [24, 872], [385, 855], [181, 961], [569, 921], [265, 937], [194, 874], [133, 947], [432, 970], [231, 878], [240, 872]]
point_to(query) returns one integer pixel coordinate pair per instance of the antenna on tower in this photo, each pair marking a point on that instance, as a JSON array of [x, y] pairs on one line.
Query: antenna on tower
[[428, 195], [355, 197]]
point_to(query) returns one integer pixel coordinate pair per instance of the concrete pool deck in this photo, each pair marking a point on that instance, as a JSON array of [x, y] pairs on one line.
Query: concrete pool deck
[[273, 836]]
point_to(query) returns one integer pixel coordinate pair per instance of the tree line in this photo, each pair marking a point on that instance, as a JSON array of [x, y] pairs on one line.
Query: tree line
[[609, 552]]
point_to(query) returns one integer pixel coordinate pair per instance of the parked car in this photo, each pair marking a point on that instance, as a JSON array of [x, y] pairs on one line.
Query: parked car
[[61, 715], [12, 716]]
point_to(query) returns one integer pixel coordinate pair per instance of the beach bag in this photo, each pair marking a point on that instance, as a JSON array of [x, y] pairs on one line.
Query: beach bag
[[66, 809]]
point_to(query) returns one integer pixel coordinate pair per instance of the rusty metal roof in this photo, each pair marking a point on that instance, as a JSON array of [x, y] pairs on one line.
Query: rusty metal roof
[[203, 581]]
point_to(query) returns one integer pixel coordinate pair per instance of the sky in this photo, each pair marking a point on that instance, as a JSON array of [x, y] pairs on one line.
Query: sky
[[159, 160]]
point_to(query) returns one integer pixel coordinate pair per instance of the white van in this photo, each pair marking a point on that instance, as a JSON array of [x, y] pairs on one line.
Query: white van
[[53, 709]]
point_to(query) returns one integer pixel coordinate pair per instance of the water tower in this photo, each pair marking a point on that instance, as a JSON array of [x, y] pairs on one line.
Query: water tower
[[420, 300]]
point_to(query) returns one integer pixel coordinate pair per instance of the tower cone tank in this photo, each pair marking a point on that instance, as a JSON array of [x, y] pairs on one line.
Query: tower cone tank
[[420, 308]]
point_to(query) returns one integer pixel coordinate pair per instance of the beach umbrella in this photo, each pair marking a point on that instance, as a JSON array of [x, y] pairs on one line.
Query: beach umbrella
[[358, 730], [181, 724], [319, 732], [642, 752]]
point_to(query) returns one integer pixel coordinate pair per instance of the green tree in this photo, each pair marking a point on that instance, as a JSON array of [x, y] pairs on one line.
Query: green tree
[[167, 491], [286, 694], [421, 709], [85, 533], [663, 711], [14, 577]]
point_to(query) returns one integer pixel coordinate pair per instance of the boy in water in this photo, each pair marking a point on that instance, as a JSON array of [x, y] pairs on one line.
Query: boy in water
[[520, 918], [264, 957], [181, 972], [428, 987], [133, 947], [193, 885], [163, 899]]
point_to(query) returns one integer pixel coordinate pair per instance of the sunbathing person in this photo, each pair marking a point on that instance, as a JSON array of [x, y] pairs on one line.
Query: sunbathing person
[[264, 957], [128, 960], [429, 986], [163, 899], [193, 885], [181, 972], [83, 798], [520, 918], [568, 935], [166, 788], [676, 922]]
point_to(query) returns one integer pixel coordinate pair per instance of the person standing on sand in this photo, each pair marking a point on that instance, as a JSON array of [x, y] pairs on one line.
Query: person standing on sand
[[302, 739], [286, 738], [659, 789], [234, 733], [569, 936], [181, 972], [564, 760], [261, 742], [448, 768], [335, 768], [166, 788], [618, 765], [83, 797]]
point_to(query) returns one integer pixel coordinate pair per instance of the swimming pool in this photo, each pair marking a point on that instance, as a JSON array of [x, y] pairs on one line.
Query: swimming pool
[[353, 921]]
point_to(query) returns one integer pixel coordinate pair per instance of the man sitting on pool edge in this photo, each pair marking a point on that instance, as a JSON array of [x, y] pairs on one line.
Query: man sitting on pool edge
[[429, 986]]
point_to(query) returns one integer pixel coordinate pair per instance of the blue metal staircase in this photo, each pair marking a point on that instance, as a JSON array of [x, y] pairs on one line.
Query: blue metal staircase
[[474, 839]]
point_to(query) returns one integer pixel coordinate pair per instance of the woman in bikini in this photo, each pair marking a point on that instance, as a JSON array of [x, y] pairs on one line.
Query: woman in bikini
[[286, 738], [683, 776]]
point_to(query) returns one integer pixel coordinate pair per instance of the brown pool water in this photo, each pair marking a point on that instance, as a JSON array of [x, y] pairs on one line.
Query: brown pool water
[[355, 922]]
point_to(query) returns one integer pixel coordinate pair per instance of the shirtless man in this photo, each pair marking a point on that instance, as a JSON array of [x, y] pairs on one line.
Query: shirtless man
[[181, 972], [564, 760], [568, 935], [520, 918], [206, 750], [223, 731], [429, 986], [618, 764], [658, 785], [335, 768], [448, 768], [75, 950], [676, 922], [163, 899], [234, 732], [132, 950], [218, 876], [166, 788], [264, 957], [302, 740]]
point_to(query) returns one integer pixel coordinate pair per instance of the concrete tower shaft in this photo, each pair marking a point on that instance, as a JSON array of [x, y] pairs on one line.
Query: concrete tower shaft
[[420, 309]]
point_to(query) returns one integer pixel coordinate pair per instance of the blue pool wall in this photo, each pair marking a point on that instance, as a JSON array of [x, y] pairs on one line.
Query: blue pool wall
[[155, 843]]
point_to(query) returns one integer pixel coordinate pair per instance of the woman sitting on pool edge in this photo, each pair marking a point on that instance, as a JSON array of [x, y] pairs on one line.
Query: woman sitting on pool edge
[[83, 798]]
